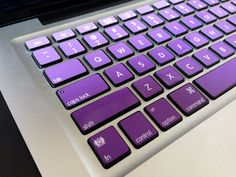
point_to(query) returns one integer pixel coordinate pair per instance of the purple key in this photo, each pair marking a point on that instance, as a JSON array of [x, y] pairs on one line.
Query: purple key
[[229, 7], [159, 36], [169, 14], [234, 2], [120, 51], [176, 29], [86, 28], [188, 99], [64, 72], [95, 40], [97, 59], [197, 4], [104, 110], [180, 47], [191, 22], [231, 40], [225, 27], [212, 33], [153, 20], [206, 57], [219, 12], [218, 81], [206, 17], [127, 15], [161, 4], [135, 26], [37, 43], [104, 22], [82, 90], [175, 1], [147, 88], [144, 9], [163, 114], [169, 77], [63, 35], [196, 39], [222, 49], [189, 67], [211, 2], [138, 129], [184, 9], [232, 20], [141, 64], [46, 56], [140, 42], [161, 55], [109, 147], [116, 32], [72, 48]]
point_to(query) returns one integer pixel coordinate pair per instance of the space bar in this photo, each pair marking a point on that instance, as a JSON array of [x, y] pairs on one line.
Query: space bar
[[218, 81]]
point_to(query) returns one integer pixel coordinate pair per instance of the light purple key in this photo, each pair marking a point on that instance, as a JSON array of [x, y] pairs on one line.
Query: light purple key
[[212, 33], [109, 147], [153, 20], [191, 22], [120, 51], [72, 48], [234, 2], [147, 88], [118, 74], [225, 27], [163, 114], [231, 40], [141, 64], [212, 2], [232, 20], [135, 26], [82, 90], [175, 1], [116, 32], [161, 4], [184, 9], [219, 12], [107, 21], [127, 15], [37, 43], [196, 39], [188, 99], [206, 58], [144, 9], [104, 110], [197, 4], [63, 35], [161, 55], [206, 17], [97, 59], [189, 67], [140, 42], [159, 36], [228, 6], [176, 29], [86, 28], [222, 49], [138, 129], [169, 77], [64, 72], [46, 56], [179, 47], [95, 40], [169, 14]]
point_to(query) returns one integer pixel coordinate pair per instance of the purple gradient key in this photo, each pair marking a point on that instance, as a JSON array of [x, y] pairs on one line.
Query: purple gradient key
[[175, 28], [225, 27], [138, 129], [104, 22], [153, 20], [191, 22], [232, 20], [228, 6], [64, 72], [161, 4], [37, 43], [163, 114], [159, 35], [95, 40], [219, 12], [180, 47], [144, 9], [97, 59], [175, 1], [161, 55], [135, 26], [188, 99], [104, 110], [234, 2], [140, 42], [206, 17], [212, 2], [184, 9], [82, 90], [141, 64], [116, 32], [169, 14], [86, 28], [120, 51], [46, 56], [71, 48], [169, 77], [118, 74], [147, 88], [197, 4], [196, 39], [63, 35], [212, 33], [231, 40], [222, 49], [109, 147], [127, 15], [206, 58]]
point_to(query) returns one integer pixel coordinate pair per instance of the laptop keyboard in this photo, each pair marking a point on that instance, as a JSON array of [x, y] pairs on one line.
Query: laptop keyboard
[[74, 57]]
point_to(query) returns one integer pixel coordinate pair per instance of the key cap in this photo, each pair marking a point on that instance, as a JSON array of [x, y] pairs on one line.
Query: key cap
[[175, 28], [63, 35], [159, 36], [179, 47], [82, 90], [225, 27], [120, 51], [127, 15], [206, 17], [140, 43], [184, 9], [95, 40], [153, 20], [191, 22], [169, 14], [229, 7], [86, 28], [163, 114], [37, 43], [212, 33], [135, 26], [232, 20], [175, 1], [144, 9], [234, 2], [222, 49], [138, 129], [219, 12], [197, 4], [116, 32], [72, 48], [107, 21], [231, 40], [196, 39], [109, 147], [161, 4], [104, 110], [188, 99], [64, 72], [212, 2], [206, 57]]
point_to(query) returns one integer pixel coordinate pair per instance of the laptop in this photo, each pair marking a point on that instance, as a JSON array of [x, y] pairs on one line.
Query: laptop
[[124, 88]]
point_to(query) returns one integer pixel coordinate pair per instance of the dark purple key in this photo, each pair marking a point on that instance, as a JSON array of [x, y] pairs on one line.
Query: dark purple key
[[141, 64], [97, 59], [147, 88], [163, 114], [64, 72], [206, 17], [175, 28], [222, 49], [231, 40], [180, 47], [140, 42], [107, 21], [196, 39], [120, 51], [161, 4], [46, 56], [144, 9], [218, 81], [109, 147], [197, 4], [206, 58], [228, 6], [37, 43], [135, 26], [159, 35], [175, 1], [169, 77], [184, 9], [82, 90], [191, 22], [188, 99], [189, 67], [72, 48], [138, 129], [118, 74], [63, 35], [219, 12], [127, 15], [225, 27], [232, 20], [104, 110], [161, 55], [169, 14], [86, 28], [212, 33], [116, 32], [211, 2], [153, 20], [95, 40]]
